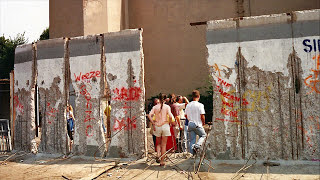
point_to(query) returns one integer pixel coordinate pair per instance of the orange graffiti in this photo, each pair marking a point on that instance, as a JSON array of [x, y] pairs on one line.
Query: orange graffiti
[[217, 69], [312, 81]]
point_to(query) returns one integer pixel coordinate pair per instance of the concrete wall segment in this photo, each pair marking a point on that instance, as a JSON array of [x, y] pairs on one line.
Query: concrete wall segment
[[51, 82], [24, 90], [266, 98], [125, 80], [85, 59]]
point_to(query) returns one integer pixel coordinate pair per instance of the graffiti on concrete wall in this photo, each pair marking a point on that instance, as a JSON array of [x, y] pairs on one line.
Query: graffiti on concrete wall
[[251, 100], [310, 130], [87, 76], [313, 81], [51, 113], [126, 96], [18, 105], [88, 112], [311, 45]]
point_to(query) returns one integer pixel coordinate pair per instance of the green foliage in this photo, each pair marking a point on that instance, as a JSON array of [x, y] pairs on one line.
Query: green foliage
[[45, 34], [7, 49]]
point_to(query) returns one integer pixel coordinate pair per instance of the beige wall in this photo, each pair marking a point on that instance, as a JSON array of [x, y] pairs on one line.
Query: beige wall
[[175, 52], [65, 18], [95, 17], [261, 7], [70, 18]]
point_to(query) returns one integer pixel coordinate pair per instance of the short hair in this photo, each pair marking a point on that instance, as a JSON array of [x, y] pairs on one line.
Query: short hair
[[195, 94]]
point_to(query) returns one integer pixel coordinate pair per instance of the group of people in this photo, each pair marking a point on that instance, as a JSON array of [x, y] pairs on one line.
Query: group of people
[[169, 120]]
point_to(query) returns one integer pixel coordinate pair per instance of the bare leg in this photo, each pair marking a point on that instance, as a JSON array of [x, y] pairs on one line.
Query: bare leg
[[158, 146], [163, 148]]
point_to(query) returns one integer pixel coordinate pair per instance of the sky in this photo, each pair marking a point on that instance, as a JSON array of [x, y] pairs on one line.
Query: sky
[[29, 16]]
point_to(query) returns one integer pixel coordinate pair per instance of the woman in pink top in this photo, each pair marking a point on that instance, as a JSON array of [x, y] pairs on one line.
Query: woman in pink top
[[161, 125]]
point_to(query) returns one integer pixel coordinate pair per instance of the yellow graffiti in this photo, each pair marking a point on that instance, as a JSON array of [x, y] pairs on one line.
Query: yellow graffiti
[[258, 100]]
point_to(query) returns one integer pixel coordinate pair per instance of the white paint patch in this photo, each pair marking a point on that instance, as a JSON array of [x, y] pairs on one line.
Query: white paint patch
[[48, 69], [268, 55], [22, 75], [223, 55], [84, 65]]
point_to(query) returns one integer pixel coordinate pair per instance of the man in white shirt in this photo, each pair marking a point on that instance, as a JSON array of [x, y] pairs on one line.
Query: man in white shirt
[[196, 115]]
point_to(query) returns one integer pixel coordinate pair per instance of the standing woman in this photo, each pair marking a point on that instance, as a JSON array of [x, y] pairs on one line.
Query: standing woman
[[161, 126], [70, 124], [174, 127]]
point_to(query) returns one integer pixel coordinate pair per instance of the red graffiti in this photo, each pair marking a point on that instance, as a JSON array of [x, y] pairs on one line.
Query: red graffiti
[[304, 130], [86, 76], [313, 81], [125, 124], [51, 112], [131, 94], [17, 104], [219, 119], [230, 113], [231, 97], [88, 112], [89, 129], [223, 82]]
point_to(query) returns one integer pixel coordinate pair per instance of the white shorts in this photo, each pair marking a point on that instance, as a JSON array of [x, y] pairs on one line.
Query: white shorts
[[163, 130]]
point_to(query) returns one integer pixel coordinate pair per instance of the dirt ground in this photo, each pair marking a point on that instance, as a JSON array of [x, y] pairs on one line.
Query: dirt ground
[[44, 166]]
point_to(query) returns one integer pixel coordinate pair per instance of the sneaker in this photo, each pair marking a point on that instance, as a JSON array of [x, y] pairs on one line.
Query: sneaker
[[196, 150]]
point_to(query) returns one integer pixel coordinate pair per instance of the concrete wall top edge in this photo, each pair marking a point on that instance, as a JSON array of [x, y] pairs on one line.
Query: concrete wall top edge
[[122, 41], [84, 45], [308, 15], [222, 24], [123, 32], [23, 53], [49, 49], [264, 20]]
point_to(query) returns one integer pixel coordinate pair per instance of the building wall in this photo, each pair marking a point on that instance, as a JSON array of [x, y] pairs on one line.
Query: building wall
[[95, 17], [266, 86], [66, 18], [94, 68]]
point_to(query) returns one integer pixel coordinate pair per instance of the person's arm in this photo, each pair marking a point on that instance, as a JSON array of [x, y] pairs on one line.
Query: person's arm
[[202, 115], [171, 117], [150, 115], [186, 100], [203, 118], [178, 122], [186, 112]]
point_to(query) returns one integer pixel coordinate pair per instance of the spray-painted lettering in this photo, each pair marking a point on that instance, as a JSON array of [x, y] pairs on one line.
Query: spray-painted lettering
[[86, 76], [88, 112], [51, 112], [311, 45], [131, 94], [125, 123]]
